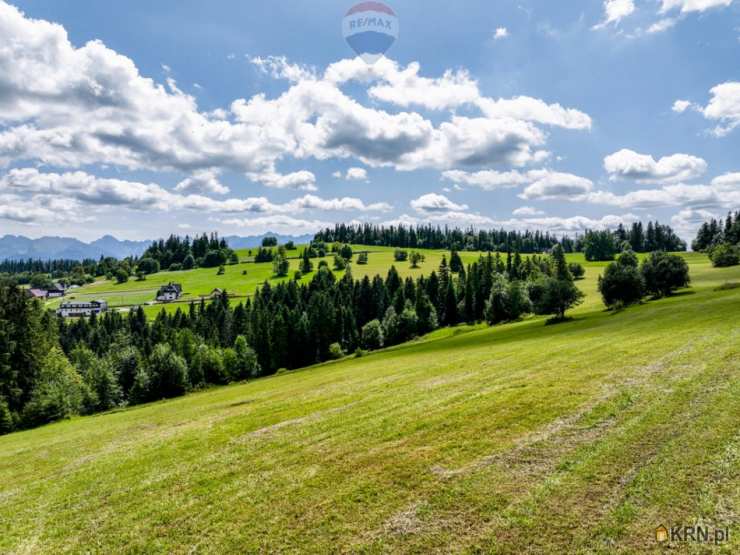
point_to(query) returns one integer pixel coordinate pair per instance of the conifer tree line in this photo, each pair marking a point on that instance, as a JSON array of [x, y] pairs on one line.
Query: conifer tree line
[[174, 253], [653, 237], [51, 368], [720, 239], [177, 253]]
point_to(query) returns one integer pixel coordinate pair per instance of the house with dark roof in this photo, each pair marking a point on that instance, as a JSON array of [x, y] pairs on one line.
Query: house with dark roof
[[74, 309], [56, 291], [169, 292]]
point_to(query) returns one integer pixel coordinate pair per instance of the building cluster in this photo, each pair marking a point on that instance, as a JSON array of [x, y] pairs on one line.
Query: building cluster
[[75, 309], [55, 291]]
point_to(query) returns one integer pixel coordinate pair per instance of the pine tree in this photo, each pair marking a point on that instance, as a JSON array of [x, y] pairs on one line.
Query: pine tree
[[561, 270]]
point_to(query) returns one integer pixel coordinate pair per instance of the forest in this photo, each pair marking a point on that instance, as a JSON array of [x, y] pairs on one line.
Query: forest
[[53, 368], [653, 237]]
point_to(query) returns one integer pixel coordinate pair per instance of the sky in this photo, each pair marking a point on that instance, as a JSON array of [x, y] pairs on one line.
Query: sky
[[141, 119]]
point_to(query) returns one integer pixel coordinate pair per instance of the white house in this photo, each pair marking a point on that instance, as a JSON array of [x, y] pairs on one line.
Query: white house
[[169, 292], [73, 309]]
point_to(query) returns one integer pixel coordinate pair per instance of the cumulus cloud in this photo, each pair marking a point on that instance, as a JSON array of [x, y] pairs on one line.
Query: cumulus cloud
[[500, 33], [569, 225], [356, 174], [724, 107], [202, 181], [304, 180], [643, 168], [488, 180], [451, 218], [615, 11], [80, 188], [279, 223], [29, 211], [540, 184], [70, 107], [688, 220], [534, 110], [680, 106], [574, 224], [729, 182], [550, 185], [433, 202], [405, 87], [528, 211], [697, 196]]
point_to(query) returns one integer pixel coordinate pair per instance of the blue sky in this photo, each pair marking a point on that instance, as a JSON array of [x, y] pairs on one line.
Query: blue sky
[[190, 116]]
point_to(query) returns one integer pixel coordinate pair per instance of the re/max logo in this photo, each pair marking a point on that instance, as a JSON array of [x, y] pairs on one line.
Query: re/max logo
[[374, 22], [700, 534]]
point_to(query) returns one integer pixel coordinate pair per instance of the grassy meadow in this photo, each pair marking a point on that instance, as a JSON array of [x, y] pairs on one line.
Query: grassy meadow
[[202, 281], [580, 437]]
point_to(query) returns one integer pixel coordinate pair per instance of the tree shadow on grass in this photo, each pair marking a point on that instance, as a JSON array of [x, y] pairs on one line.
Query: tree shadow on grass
[[683, 293], [556, 321]]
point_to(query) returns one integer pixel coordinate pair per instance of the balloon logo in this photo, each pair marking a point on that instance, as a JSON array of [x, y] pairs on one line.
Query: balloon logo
[[370, 29]]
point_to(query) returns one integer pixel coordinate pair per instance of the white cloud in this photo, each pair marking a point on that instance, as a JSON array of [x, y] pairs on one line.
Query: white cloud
[[540, 184], [615, 11], [574, 224], [82, 188], [404, 86], [500, 33], [346, 204], [528, 211], [303, 180], [356, 174], [550, 185], [643, 168], [688, 221], [202, 181], [729, 182], [662, 25], [488, 180], [680, 106], [279, 67], [278, 223], [29, 211], [534, 110], [688, 6], [72, 107], [697, 196], [433, 202], [452, 218], [724, 107]]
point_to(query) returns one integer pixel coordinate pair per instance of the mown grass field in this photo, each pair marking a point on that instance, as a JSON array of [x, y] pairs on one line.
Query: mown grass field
[[580, 437]]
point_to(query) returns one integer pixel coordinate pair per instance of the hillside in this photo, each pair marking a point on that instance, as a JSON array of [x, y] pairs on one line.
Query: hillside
[[577, 437], [18, 247], [201, 282]]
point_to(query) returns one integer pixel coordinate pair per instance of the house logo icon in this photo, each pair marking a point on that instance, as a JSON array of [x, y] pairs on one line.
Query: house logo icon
[[661, 534]]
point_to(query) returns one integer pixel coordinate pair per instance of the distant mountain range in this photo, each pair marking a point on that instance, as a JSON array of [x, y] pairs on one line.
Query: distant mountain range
[[17, 247]]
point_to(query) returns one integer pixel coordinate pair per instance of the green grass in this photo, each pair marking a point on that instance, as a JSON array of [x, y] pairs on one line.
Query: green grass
[[201, 282], [581, 437]]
